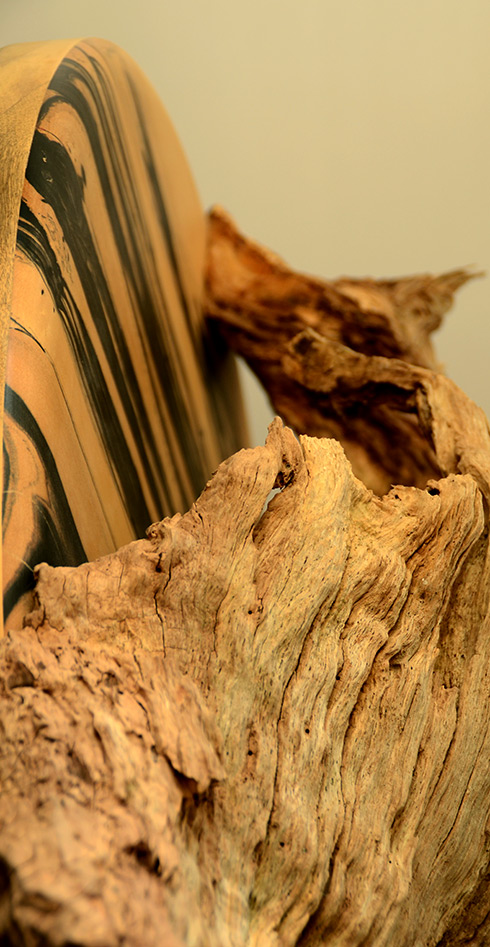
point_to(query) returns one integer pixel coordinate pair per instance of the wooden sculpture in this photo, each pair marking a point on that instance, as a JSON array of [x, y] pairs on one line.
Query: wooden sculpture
[[268, 722], [117, 406]]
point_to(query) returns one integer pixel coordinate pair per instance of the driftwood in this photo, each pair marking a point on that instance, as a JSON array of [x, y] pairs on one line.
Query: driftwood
[[267, 723], [329, 353]]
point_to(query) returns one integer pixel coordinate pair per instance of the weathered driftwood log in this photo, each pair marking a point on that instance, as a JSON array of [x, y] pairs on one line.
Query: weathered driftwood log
[[269, 724]]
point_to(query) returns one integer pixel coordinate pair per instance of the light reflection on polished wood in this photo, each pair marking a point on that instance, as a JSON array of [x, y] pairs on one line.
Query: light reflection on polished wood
[[117, 406]]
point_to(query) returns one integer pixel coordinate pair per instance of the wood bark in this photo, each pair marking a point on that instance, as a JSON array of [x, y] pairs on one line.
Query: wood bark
[[268, 722]]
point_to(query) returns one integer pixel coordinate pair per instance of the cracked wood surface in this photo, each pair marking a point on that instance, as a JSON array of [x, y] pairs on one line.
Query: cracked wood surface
[[259, 726], [268, 722]]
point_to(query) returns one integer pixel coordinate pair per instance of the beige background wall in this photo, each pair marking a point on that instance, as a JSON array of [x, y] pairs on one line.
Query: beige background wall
[[352, 137]]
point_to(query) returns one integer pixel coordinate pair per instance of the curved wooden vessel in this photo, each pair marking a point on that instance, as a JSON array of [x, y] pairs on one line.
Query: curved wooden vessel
[[117, 405]]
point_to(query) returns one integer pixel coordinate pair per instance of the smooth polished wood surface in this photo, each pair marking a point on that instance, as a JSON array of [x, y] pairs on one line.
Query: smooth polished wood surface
[[117, 405]]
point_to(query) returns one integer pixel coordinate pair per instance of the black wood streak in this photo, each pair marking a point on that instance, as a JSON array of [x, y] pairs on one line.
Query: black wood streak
[[144, 469], [55, 537]]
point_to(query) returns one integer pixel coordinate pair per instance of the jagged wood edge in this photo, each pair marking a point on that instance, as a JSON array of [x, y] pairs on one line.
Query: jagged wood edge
[[371, 331], [260, 726]]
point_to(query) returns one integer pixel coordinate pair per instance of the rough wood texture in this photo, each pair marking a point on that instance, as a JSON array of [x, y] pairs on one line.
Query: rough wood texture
[[269, 725], [326, 351]]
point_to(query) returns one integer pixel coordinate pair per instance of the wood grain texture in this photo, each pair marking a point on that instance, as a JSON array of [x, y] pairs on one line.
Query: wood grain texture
[[358, 390], [268, 722], [25, 71], [264, 726], [118, 405]]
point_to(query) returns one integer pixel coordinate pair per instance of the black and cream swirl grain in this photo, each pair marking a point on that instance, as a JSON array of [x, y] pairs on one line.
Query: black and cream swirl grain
[[118, 404]]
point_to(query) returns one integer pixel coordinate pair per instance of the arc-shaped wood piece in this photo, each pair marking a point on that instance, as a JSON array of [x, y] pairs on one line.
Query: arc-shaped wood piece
[[117, 405]]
